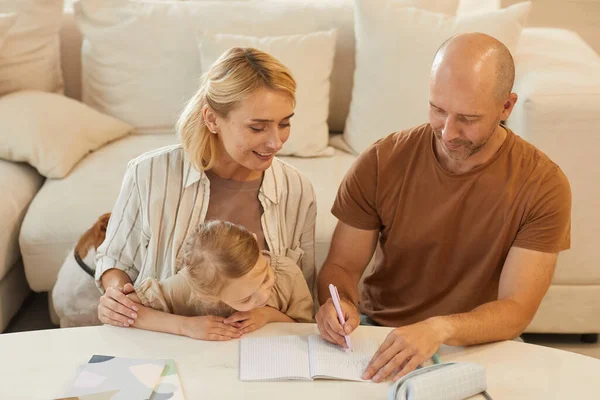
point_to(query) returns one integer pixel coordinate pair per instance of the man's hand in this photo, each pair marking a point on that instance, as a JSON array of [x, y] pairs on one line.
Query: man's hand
[[249, 321], [115, 308], [209, 327], [329, 325], [403, 350]]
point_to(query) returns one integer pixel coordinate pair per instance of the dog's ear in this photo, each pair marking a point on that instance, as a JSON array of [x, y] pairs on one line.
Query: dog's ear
[[103, 222]]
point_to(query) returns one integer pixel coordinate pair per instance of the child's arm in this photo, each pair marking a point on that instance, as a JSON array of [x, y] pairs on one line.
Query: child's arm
[[249, 321], [207, 327], [165, 297]]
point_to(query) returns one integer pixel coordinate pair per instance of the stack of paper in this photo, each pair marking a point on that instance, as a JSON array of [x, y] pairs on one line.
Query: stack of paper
[[116, 378]]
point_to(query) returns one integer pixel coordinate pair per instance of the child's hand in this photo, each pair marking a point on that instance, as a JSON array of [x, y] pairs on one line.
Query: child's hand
[[249, 321], [130, 292], [209, 327]]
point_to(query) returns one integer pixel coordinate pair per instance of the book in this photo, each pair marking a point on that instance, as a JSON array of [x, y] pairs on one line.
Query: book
[[115, 378], [303, 358], [169, 385]]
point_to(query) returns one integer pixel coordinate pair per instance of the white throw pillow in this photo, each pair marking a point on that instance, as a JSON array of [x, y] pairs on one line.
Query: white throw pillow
[[30, 55], [476, 6], [52, 132], [310, 58], [140, 60], [394, 50], [7, 20]]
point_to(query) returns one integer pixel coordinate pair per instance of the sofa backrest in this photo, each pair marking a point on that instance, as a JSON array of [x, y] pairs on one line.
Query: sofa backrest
[[332, 14]]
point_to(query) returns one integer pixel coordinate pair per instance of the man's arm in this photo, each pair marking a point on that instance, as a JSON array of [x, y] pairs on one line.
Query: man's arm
[[350, 253], [525, 278]]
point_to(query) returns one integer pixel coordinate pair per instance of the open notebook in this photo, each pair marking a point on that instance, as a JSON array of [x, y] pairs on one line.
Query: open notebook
[[303, 358]]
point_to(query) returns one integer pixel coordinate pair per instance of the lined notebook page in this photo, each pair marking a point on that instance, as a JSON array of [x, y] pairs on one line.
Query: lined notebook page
[[331, 361], [274, 358]]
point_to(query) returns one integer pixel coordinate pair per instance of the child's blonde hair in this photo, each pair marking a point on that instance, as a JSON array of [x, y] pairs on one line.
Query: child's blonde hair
[[215, 252], [236, 74]]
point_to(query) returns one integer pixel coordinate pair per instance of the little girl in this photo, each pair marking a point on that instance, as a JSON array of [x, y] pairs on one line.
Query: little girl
[[225, 287]]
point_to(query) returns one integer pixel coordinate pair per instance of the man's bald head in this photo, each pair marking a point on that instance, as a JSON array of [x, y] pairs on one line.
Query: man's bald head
[[480, 56]]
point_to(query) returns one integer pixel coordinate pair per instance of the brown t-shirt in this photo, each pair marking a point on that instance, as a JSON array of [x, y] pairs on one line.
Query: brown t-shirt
[[236, 202], [444, 237]]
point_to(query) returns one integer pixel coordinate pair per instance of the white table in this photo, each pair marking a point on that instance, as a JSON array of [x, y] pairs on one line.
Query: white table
[[42, 364]]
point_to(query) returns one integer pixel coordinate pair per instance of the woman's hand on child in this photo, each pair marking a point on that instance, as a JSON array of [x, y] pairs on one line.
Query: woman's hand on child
[[249, 321], [115, 308], [209, 327]]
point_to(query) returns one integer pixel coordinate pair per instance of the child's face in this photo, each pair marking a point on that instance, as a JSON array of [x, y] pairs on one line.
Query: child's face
[[251, 290]]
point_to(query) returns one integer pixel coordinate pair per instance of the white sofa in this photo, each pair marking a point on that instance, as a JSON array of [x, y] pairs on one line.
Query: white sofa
[[554, 112]]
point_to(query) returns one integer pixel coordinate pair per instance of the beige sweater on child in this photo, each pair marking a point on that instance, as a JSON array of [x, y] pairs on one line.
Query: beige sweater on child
[[174, 295]]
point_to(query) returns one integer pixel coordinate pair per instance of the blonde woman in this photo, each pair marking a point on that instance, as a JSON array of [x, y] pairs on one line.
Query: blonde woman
[[223, 169], [223, 277]]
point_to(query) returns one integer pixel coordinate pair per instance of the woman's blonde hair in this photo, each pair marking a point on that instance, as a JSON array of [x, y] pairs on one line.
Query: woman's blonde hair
[[215, 252], [235, 75]]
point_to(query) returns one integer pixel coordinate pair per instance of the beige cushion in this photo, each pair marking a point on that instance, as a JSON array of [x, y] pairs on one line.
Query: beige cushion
[[18, 184], [92, 187], [144, 75], [89, 191], [310, 59], [393, 95], [6, 22], [52, 132], [29, 57], [558, 83]]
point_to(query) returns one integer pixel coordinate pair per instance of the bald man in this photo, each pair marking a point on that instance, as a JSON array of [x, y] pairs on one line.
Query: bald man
[[470, 218]]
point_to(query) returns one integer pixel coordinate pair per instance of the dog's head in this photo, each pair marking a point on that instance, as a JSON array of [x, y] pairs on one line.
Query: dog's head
[[93, 237]]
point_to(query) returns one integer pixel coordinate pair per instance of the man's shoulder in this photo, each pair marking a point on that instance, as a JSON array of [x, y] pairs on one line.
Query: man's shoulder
[[531, 158], [404, 140], [398, 144]]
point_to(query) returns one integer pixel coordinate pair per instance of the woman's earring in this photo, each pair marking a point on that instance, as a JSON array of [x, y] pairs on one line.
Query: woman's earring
[[214, 132]]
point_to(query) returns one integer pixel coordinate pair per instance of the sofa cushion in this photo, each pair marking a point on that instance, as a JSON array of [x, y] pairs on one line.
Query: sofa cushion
[[7, 20], [558, 83], [407, 67], [18, 184], [52, 132], [326, 174], [65, 208], [30, 55], [92, 187], [123, 50]]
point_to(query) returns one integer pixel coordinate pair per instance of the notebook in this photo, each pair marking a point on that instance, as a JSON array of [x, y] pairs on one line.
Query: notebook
[[303, 358], [169, 386], [114, 378]]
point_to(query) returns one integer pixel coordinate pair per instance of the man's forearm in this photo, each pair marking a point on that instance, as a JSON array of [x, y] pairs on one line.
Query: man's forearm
[[490, 322], [114, 278], [158, 321], [346, 284]]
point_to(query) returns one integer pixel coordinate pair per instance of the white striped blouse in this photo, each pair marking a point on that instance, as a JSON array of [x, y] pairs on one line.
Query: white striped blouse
[[163, 195]]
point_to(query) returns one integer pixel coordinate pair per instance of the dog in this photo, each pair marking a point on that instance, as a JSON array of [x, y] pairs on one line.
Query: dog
[[75, 295]]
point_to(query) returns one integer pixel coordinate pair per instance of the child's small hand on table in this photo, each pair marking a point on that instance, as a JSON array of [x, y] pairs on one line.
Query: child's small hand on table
[[209, 327], [249, 321]]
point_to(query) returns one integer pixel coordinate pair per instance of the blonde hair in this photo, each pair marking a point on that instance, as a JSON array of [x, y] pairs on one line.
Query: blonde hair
[[215, 252], [235, 75]]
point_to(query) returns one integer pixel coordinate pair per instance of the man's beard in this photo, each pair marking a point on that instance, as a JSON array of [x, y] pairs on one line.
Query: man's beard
[[467, 148]]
